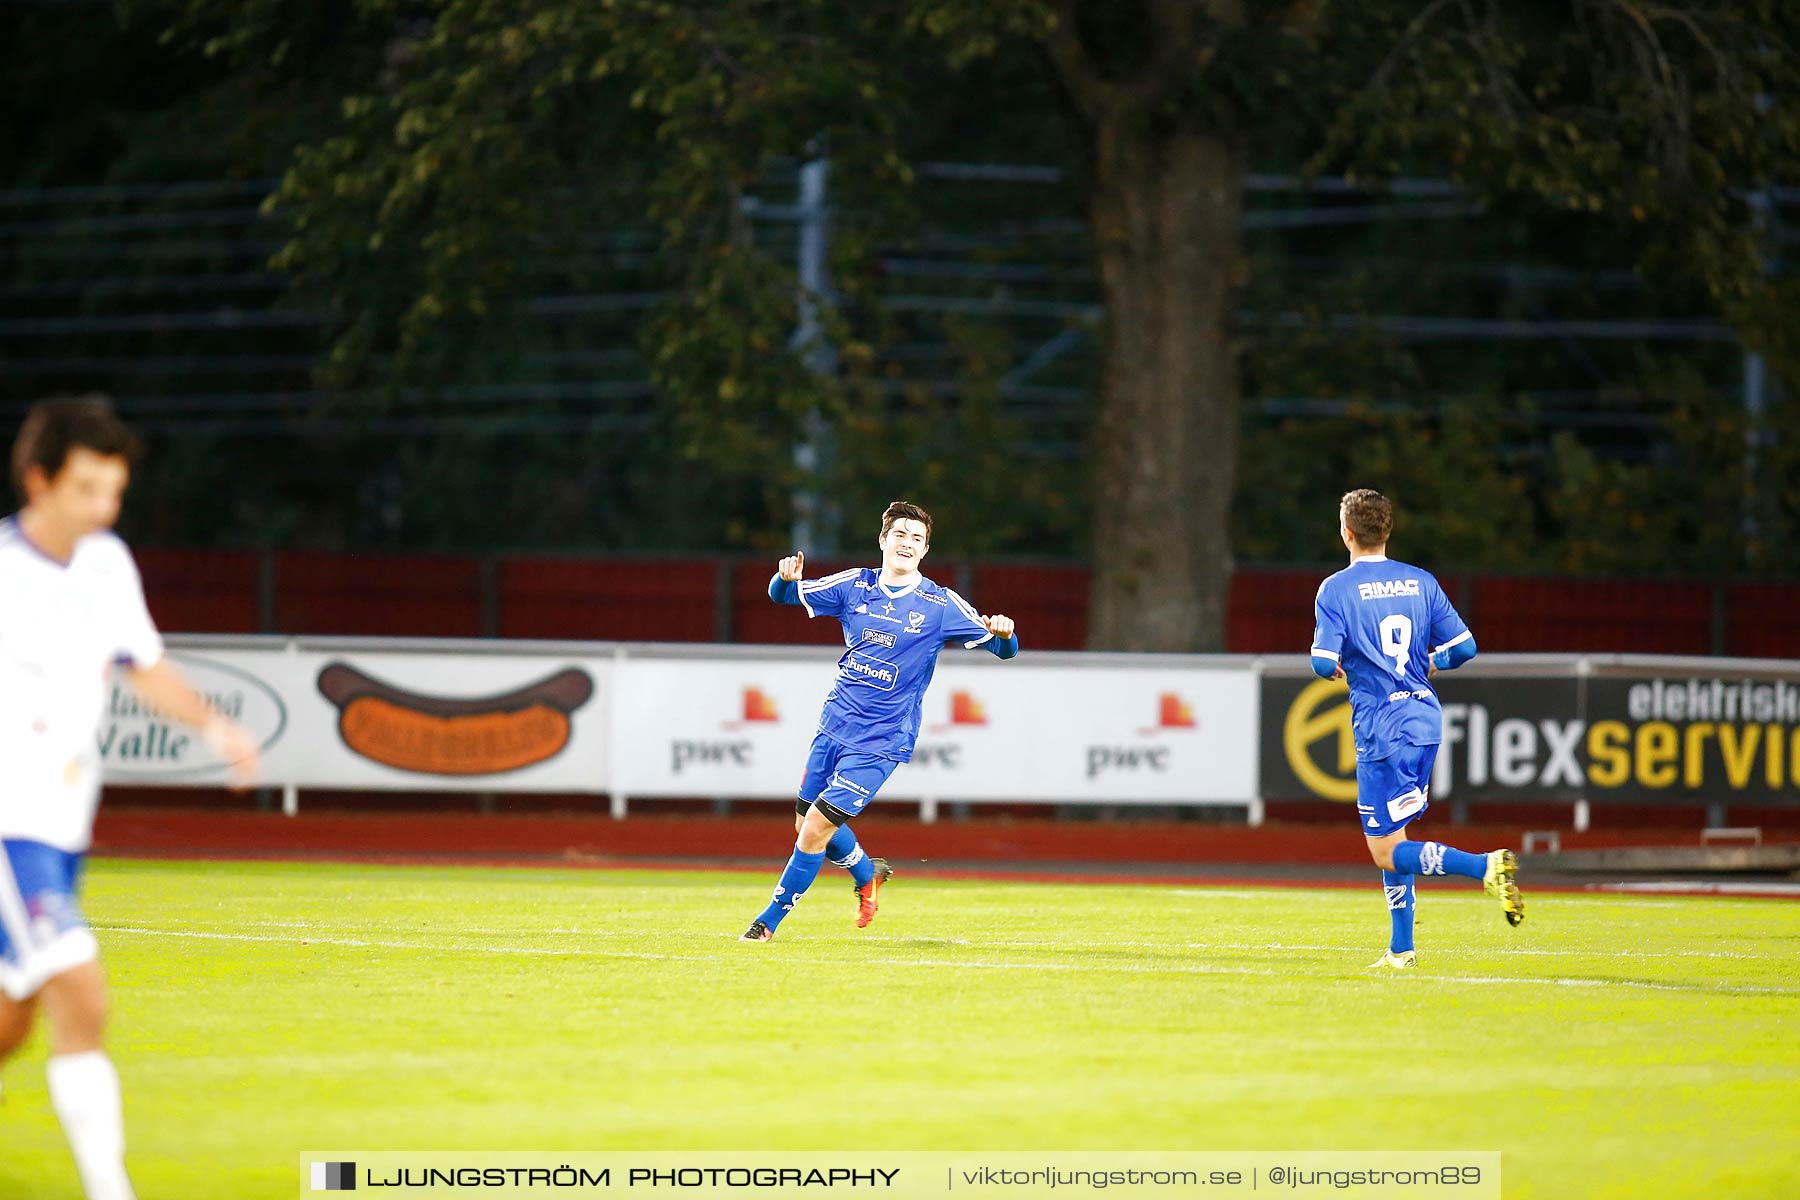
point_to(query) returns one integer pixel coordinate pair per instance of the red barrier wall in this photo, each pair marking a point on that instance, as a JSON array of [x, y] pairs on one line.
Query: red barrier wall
[[204, 591], [1592, 615], [1269, 610], [609, 600], [399, 595]]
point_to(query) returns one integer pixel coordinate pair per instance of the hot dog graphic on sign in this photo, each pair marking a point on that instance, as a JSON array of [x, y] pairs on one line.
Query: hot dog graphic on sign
[[435, 735]]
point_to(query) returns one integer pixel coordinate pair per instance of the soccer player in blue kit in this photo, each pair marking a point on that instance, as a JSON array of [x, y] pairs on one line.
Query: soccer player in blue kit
[[1389, 628], [895, 622]]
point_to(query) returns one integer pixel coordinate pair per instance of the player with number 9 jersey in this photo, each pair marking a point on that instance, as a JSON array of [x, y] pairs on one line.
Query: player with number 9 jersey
[[1387, 627], [1380, 620]]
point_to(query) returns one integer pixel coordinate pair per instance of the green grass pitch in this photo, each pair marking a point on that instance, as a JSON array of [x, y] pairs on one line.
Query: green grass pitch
[[1612, 1046]]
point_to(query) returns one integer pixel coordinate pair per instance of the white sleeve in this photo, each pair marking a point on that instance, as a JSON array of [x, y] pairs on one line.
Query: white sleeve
[[136, 641]]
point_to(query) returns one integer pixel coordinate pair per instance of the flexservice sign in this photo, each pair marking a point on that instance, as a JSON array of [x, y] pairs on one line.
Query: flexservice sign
[[1629, 734]]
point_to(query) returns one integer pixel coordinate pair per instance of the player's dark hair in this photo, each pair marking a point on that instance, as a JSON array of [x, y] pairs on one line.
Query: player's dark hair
[[54, 427], [905, 510], [1368, 516]]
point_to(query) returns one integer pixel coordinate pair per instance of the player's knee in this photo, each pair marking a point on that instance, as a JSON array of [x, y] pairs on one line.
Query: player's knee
[[1383, 854]]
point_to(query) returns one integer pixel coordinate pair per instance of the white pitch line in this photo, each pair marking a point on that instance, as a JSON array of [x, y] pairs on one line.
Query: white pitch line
[[961, 964], [1087, 943]]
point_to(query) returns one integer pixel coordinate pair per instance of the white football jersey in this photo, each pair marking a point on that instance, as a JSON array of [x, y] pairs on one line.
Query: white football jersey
[[64, 627]]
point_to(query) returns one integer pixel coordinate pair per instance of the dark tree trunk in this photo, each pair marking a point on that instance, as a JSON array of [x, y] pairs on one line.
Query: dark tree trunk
[[1166, 204]]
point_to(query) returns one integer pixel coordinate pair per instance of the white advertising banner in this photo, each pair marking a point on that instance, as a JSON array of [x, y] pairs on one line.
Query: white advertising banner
[[407, 721], [733, 727], [1065, 733], [992, 731], [660, 722]]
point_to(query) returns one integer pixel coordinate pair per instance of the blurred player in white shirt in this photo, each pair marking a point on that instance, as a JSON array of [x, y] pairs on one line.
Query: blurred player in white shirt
[[71, 611]]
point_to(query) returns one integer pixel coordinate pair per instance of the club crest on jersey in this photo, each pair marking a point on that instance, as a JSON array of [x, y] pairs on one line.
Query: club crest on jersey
[[1380, 589], [915, 622]]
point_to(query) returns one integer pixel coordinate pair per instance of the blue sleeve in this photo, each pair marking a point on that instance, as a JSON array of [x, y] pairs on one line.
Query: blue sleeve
[[1458, 652], [1328, 636], [962, 623], [1002, 648], [783, 591]]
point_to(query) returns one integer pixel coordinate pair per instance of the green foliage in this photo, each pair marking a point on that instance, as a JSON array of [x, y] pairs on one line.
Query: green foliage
[[1656, 120], [447, 169]]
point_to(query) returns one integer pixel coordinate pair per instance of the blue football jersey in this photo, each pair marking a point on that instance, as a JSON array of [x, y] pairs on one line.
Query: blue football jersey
[[1380, 620], [891, 643]]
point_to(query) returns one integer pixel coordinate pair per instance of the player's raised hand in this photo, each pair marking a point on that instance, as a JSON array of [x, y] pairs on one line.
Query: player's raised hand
[[999, 626], [792, 566]]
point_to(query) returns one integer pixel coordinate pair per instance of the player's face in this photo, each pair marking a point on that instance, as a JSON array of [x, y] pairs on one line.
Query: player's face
[[84, 496], [904, 546]]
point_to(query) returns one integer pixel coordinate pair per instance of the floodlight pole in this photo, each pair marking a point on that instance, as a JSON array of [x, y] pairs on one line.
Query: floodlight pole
[[815, 517], [1756, 385]]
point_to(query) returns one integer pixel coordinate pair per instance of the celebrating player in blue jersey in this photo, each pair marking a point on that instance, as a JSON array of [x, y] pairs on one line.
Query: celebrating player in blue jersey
[[895, 623], [1389, 627]]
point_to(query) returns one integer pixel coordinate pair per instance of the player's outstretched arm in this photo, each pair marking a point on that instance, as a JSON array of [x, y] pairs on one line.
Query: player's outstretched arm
[[167, 691], [784, 585], [1453, 654], [1005, 642]]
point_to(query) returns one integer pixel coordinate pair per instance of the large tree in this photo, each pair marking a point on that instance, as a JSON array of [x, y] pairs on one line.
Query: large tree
[[489, 135]]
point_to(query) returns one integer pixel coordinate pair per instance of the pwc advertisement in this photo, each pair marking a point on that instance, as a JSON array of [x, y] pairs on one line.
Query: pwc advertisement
[[1639, 730], [991, 731]]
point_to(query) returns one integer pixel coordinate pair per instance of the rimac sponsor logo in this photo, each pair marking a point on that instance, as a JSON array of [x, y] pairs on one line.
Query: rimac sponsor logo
[[880, 638], [870, 671], [1383, 589], [137, 742]]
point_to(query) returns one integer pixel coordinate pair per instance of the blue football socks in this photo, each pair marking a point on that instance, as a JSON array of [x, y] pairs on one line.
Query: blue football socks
[[1435, 858], [844, 850], [802, 868], [1400, 900]]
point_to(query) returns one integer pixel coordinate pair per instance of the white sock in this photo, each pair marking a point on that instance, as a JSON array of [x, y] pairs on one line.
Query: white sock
[[84, 1091]]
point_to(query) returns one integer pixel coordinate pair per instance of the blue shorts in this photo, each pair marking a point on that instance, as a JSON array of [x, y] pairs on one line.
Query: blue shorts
[[843, 778], [42, 931], [1392, 791]]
